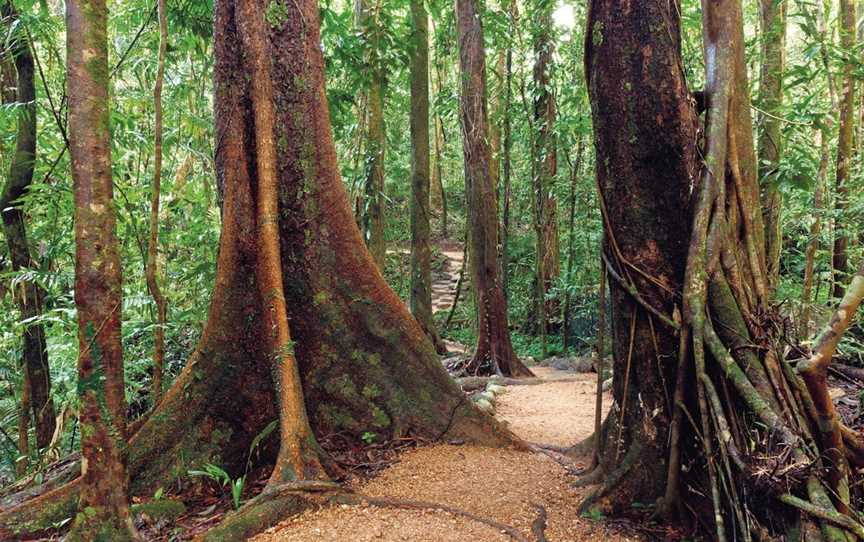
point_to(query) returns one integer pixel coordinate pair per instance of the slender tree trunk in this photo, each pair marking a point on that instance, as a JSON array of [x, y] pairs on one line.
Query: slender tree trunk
[[103, 503], [152, 264], [773, 17], [840, 257], [815, 232], [494, 353], [421, 254], [507, 165], [575, 168], [368, 18], [28, 295], [440, 145], [545, 156]]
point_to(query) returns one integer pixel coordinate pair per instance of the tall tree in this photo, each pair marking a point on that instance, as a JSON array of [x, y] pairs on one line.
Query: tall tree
[[152, 264], [421, 254], [364, 363], [368, 17], [773, 17], [545, 168], [697, 358], [494, 353], [28, 295], [103, 505], [846, 128]]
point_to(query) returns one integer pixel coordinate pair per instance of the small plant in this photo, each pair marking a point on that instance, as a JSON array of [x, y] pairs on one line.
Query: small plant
[[223, 479], [368, 437], [237, 491], [594, 514]]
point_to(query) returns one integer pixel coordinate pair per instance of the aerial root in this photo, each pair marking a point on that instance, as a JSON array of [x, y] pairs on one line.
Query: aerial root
[[610, 481], [820, 512]]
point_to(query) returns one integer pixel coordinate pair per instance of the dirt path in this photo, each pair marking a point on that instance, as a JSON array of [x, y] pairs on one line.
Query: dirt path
[[498, 484], [444, 280]]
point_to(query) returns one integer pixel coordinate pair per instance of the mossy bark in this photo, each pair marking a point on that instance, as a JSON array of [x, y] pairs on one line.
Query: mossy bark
[[638, 90], [845, 154], [773, 19], [103, 504]]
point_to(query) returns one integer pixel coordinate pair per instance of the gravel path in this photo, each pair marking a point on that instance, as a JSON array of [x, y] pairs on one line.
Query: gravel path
[[498, 484]]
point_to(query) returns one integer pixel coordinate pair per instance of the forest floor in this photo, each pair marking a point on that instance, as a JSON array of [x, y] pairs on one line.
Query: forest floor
[[504, 485]]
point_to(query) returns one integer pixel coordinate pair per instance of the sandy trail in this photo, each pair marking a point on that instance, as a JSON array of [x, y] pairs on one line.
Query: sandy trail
[[498, 484]]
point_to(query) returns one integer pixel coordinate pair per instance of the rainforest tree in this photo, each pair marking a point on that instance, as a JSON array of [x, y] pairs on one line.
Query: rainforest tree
[[363, 363], [494, 352], [103, 505], [690, 292], [37, 403]]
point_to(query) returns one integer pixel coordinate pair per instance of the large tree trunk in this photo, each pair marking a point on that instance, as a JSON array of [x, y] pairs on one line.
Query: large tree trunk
[[773, 17], [840, 257], [494, 352], [746, 408], [421, 254], [368, 18], [103, 504], [28, 295], [364, 362], [641, 177]]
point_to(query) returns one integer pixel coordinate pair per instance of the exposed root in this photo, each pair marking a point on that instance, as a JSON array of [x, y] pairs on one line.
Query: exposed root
[[271, 506], [611, 481], [407, 504], [558, 456], [823, 513], [591, 478], [538, 527]]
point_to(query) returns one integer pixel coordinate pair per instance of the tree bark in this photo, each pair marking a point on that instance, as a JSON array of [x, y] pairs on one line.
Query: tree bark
[[773, 18], [368, 19], [103, 506], [840, 257], [631, 103], [421, 254], [29, 296], [494, 352]]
